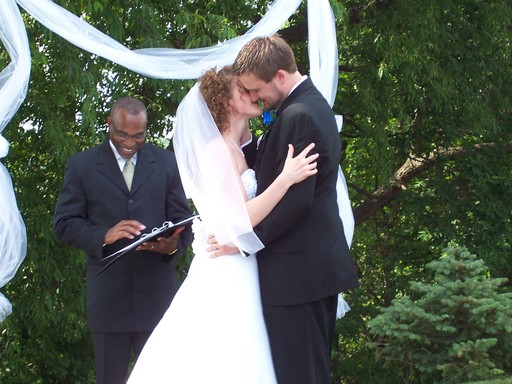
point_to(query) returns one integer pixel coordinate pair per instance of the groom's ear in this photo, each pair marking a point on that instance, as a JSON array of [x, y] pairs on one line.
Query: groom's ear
[[281, 76]]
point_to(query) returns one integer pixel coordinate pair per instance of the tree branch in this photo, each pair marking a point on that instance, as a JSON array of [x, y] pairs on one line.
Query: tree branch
[[412, 167]]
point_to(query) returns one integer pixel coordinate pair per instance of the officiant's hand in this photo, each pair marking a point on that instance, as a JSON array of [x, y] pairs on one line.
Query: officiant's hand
[[215, 249], [125, 229], [167, 245]]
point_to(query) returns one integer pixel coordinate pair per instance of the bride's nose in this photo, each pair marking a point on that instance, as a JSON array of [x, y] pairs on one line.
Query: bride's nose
[[254, 96]]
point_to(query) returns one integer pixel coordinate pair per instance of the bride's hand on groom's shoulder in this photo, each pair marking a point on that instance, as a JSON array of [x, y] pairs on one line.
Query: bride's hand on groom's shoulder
[[215, 249], [300, 167]]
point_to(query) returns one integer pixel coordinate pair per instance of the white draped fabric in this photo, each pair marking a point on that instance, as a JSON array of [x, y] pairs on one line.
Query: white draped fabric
[[163, 63], [323, 69], [13, 88]]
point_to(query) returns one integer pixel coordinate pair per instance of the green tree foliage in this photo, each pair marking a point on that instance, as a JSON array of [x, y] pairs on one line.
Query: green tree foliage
[[425, 91], [452, 329]]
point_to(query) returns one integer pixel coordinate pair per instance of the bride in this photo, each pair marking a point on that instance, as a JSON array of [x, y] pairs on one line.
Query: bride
[[213, 331]]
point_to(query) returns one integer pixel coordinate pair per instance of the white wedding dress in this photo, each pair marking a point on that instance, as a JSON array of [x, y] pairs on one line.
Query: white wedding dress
[[213, 331]]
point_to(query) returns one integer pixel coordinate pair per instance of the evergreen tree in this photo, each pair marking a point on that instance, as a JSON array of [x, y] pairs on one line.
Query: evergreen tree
[[453, 329]]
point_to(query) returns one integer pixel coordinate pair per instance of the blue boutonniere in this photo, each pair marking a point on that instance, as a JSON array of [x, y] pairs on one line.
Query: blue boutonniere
[[268, 117]]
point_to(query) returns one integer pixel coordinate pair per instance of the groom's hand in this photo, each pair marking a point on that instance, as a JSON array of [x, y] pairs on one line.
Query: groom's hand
[[215, 249]]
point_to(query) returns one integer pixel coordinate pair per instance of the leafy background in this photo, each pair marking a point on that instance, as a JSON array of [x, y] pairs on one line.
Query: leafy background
[[425, 91]]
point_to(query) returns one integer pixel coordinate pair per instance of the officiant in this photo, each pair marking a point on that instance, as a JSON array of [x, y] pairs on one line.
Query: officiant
[[111, 194]]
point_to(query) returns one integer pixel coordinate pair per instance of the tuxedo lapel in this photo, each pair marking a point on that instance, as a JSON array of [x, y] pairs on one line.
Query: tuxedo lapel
[[261, 148], [108, 166], [146, 165]]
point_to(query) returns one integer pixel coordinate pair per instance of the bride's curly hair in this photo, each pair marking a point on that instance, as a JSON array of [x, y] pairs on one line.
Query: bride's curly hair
[[217, 88]]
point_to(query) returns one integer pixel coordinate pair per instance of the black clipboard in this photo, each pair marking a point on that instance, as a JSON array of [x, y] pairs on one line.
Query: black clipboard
[[165, 230]]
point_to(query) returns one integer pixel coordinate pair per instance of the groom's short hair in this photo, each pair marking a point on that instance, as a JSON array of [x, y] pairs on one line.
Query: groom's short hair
[[264, 56]]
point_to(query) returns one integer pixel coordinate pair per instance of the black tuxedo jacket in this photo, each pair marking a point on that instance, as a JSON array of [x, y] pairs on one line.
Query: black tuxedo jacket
[[306, 257], [134, 293]]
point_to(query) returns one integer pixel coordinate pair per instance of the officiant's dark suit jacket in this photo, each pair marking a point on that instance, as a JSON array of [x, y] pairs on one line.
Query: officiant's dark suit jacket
[[132, 294], [306, 257]]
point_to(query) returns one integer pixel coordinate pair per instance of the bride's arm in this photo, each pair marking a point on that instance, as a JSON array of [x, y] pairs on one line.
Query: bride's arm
[[296, 169]]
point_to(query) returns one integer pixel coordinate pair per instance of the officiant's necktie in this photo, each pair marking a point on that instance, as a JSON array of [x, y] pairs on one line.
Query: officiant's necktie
[[128, 170]]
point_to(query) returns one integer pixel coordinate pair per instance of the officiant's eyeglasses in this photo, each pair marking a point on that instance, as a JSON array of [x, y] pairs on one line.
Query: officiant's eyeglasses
[[125, 136]]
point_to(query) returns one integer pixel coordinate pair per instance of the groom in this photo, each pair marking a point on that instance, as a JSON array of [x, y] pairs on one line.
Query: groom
[[306, 260]]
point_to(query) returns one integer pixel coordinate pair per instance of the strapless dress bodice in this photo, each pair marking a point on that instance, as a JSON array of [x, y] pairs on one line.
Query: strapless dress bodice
[[249, 183]]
